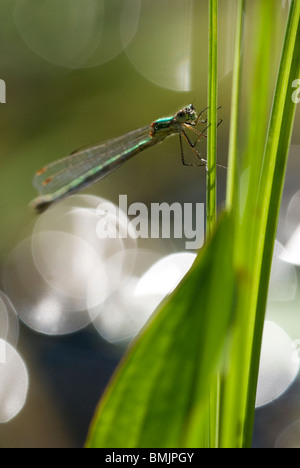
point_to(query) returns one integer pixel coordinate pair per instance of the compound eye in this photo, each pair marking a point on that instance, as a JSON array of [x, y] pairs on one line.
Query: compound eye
[[181, 116]]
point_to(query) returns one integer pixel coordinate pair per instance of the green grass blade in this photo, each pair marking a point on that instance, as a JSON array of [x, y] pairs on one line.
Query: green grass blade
[[156, 398], [255, 225], [212, 408], [271, 187], [211, 182], [232, 181]]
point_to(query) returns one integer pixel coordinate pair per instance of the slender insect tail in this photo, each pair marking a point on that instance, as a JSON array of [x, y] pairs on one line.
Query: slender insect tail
[[39, 205]]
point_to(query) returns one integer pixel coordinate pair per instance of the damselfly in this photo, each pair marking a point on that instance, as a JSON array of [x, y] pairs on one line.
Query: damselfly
[[88, 165]]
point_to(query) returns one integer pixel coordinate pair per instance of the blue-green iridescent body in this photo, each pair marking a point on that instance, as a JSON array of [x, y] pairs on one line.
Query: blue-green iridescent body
[[88, 165]]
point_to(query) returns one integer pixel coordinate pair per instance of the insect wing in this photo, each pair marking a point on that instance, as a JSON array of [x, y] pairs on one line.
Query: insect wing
[[88, 164]]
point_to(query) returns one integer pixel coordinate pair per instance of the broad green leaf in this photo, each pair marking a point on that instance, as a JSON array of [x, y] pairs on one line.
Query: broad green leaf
[[156, 397]]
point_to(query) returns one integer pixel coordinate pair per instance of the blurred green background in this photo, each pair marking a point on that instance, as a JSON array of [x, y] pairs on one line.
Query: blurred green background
[[78, 71]]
